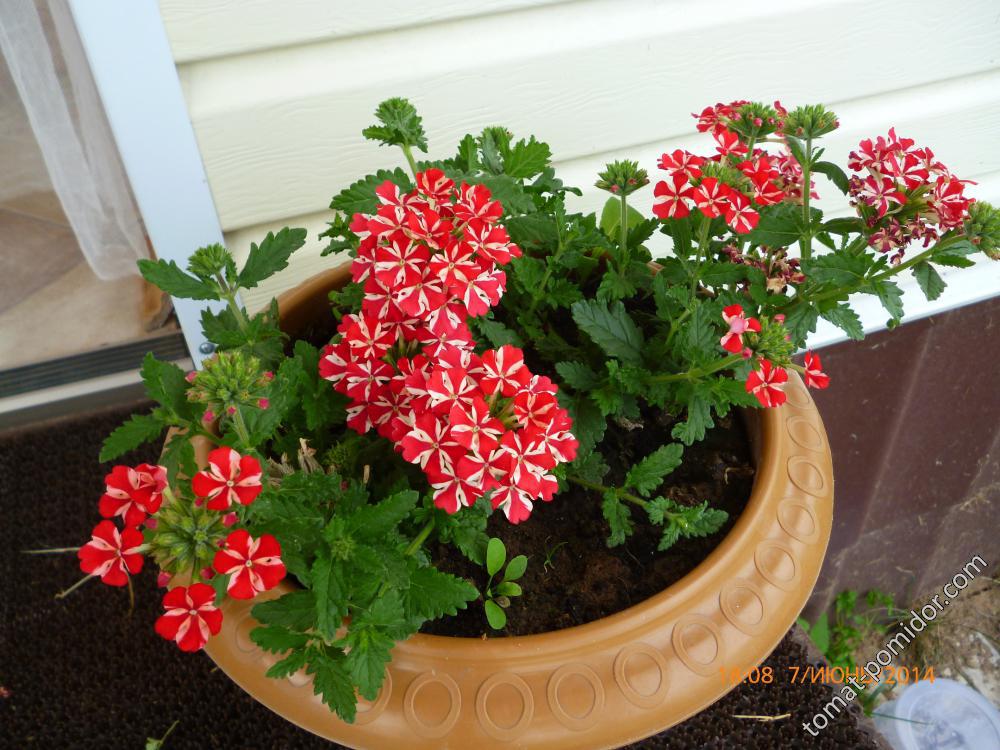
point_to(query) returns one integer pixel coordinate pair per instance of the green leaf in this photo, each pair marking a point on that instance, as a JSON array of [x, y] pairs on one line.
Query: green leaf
[[611, 217], [955, 254], [618, 518], [890, 295], [843, 225], [496, 555], [270, 256], [836, 269], [370, 652], [401, 125], [611, 328], [495, 616], [516, 568], [178, 457], [801, 321], [373, 521], [295, 610], [590, 467], [700, 337], [171, 279], [846, 320], [589, 423], [288, 666], [166, 383], [467, 158], [533, 231], [526, 159], [820, 633], [929, 280], [835, 173], [276, 639], [578, 375], [699, 419], [779, 226], [615, 286], [679, 230], [330, 589], [671, 533], [332, 682], [716, 274], [648, 474], [497, 333], [509, 588], [360, 197], [138, 429], [433, 593]]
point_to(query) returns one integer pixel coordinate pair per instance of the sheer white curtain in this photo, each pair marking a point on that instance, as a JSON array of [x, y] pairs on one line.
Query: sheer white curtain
[[50, 71]]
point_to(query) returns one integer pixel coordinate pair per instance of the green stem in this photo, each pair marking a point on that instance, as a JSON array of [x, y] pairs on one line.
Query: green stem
[[229, 294], [623, 230], [420, 538], [241, 428], [806, 224], [602, 488], [697, 372], [408, 153], [52, 551], [66, 592], [700, 252]]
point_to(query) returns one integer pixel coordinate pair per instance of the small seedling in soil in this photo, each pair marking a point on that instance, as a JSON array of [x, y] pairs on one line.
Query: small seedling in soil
[[496, 599], [153, 743], [550, 555]]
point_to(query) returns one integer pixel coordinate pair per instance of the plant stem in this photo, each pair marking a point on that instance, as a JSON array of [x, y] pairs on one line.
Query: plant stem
[[230, 296], [806, 190], [420, 538], [697, 372], [66, 592], [52, 551], [241, 428], [602, 488], [623, 230], [700, 252], [408, 153]]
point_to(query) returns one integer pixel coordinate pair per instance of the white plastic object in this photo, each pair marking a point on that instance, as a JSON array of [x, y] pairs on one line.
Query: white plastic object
[[940, 715]]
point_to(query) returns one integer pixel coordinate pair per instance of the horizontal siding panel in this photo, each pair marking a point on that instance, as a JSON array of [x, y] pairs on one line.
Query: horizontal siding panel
[[204, 29], [279, 131]]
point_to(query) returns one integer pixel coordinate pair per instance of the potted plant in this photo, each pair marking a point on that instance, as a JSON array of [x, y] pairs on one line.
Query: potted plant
[[586, 433]]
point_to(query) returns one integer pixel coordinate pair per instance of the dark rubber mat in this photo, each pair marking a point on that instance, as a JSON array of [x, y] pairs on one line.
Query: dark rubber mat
[[80, 673]]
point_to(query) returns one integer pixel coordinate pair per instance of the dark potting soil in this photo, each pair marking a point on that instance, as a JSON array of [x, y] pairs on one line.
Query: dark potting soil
[[82, 672], [573, 577]]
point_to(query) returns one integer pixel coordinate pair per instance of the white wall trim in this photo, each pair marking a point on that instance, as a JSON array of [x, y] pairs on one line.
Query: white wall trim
[[133, 67]]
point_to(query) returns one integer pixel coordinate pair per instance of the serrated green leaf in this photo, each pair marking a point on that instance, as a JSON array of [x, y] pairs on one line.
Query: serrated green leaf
[[166, 384], [360, 196], [276, 639], [844, 225], [801, 321], [890, 295], [716, 274], [836, 269], [700, 337], [138, 429], [295, 610], [611, 328], [400, 125], [590, 467], [779, 226], [496, 555], [169, 277], [835, 173], [671, 533], [515, 568], [648, 474], [526, 159], [433, 593], [329, 586], [495, 616], [615, 286], [846, 320], [467, 158], [618, 518], [931, 283], [497, 333], [270, 256], [288, 666], [373, 521], [955, 254], [332, 682], [578, 375], [370, 652], [699, 419]]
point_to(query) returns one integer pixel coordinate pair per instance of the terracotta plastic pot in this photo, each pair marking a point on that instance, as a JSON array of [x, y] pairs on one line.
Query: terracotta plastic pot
[[606, 683]]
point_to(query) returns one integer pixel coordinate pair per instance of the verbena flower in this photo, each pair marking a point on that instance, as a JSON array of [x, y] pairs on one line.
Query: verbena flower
[[111, 554], [229, 478], [253, 565], [191, 616], [133, 493]]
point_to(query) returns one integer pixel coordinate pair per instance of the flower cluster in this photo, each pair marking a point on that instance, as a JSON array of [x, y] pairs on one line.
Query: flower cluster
[[767, 379], [736, 180], [904, 194], [185, 538], [430, 260]]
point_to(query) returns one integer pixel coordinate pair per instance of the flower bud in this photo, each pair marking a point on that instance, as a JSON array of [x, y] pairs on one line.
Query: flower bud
[[163, 579], [229, 519]]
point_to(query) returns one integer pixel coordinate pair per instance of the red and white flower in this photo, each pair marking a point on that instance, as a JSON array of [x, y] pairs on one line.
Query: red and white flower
[[738, 324], [133, 493], [254, 565], [739, 214], [505, 372], [814, 375], [767, 384], [191, 616], [111, 554], [670, 197], [710, 197], [229, 478]]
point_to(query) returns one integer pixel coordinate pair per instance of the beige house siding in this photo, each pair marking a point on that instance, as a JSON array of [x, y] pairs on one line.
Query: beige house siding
[[279, 91]]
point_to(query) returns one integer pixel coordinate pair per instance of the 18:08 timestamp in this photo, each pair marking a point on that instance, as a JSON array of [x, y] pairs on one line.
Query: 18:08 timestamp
[[811, 674]]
